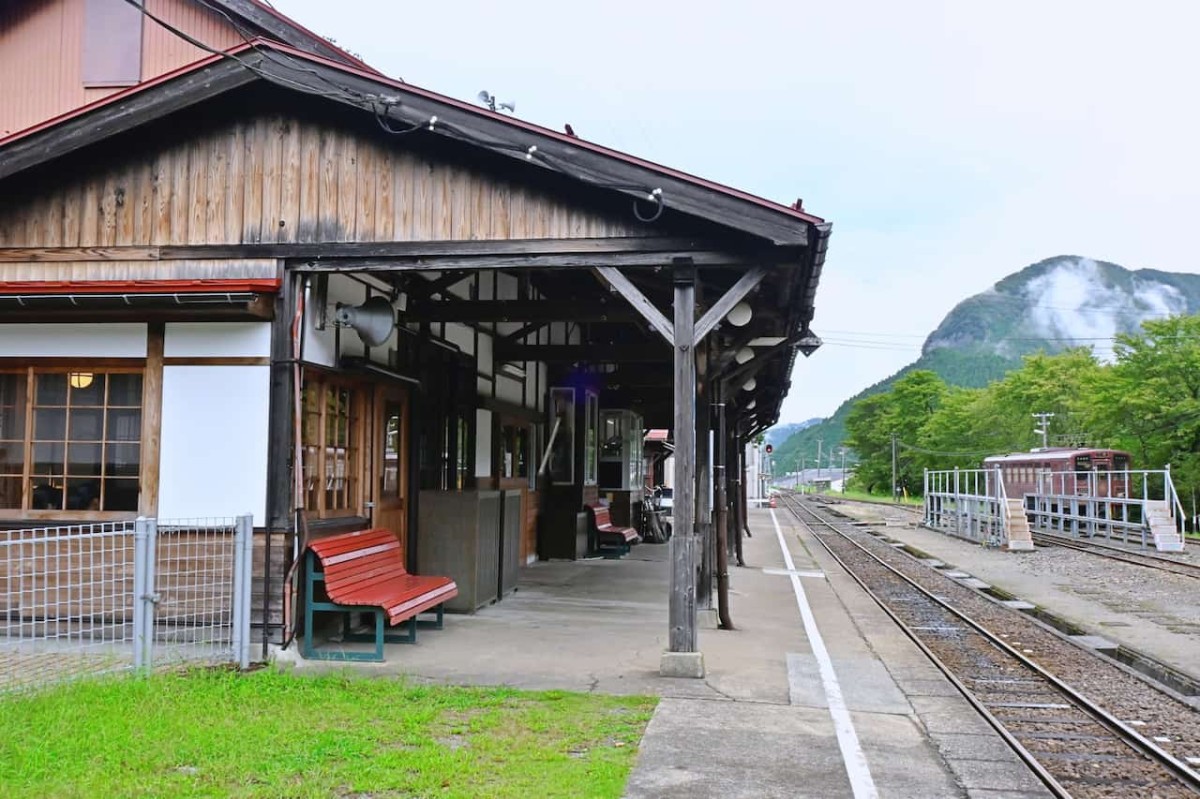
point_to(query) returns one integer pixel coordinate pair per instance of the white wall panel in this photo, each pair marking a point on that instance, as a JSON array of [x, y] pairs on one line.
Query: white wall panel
[[510, 389], [483, 443], [485, 362], [124, 340], [214, 441], [217, 339], [461, 336]]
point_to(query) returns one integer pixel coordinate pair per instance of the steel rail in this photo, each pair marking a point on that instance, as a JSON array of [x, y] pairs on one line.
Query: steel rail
[[1146, 747], [1146, 560]]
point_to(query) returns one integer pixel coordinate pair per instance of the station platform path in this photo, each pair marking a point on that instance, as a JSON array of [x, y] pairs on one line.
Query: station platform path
[[816, 693], [1153, 612]]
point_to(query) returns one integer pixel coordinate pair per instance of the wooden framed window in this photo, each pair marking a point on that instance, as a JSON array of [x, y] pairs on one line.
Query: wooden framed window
[[332, 447], [70, 441]]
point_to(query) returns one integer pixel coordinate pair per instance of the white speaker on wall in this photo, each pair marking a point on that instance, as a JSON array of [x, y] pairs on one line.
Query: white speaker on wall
[[373, 321]]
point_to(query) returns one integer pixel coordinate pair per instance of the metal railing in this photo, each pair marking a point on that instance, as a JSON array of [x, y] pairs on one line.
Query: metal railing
[[1109, 504], [969, 503], [88, 599]]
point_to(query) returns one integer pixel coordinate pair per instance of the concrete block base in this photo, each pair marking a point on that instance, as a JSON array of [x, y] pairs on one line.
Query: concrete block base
[[707, 619], [682, 664], [1020, 546]]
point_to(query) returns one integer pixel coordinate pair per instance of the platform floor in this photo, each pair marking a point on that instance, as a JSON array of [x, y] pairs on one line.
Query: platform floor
[[1154, 612], [768, 720]]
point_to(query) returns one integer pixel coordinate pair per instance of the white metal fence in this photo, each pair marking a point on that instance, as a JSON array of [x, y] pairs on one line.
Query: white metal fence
[[1111, 504], [969, 503], [86, 599]]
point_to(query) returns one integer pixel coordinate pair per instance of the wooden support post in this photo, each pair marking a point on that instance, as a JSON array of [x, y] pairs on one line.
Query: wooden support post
[[280, 502], [704, 450], [743, 502], [682, 658], [721, 451]]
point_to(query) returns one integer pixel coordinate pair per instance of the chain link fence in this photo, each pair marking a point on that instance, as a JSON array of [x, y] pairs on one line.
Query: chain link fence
[[89, 599]]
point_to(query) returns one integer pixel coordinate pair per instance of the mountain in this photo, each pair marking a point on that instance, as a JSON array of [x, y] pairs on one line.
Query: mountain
[[782, 432], [1061, 302]]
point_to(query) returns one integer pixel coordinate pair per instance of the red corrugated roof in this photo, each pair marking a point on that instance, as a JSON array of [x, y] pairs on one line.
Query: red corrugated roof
[[217, 286]]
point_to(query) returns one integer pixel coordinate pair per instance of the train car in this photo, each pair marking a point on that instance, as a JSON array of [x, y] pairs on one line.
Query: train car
[[1063, 472]]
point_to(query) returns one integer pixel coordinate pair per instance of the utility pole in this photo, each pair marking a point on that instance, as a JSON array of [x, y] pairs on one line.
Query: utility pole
[[1043, 427], [894, 494], [843, 452], [820, 441]]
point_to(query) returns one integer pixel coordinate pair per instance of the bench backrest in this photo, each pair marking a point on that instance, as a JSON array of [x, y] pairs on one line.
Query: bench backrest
[[352, 561], [601, 514]]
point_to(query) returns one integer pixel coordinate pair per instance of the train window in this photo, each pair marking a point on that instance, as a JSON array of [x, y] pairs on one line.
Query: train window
[[1120, 462], [1083, 463]]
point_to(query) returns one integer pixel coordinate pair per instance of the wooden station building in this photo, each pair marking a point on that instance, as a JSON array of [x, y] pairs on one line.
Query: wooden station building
[[271, 279]]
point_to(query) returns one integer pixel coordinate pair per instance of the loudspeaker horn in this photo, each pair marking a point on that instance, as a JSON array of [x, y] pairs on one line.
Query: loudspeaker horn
[[373, 320]]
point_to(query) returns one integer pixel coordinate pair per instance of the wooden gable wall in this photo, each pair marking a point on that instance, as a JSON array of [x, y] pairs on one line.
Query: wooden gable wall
[[280, 178]]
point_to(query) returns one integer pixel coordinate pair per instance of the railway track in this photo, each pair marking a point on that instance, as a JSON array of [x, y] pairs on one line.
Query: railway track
[[1157, 562], [1087, 728], [1174, 565]]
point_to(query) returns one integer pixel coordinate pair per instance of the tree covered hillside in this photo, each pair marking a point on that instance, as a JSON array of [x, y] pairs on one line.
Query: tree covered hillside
[[1049, 307], [1147, 401]]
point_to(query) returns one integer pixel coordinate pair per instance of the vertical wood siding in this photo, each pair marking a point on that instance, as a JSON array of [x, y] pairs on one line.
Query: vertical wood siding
[[276, 179], [41, 48]]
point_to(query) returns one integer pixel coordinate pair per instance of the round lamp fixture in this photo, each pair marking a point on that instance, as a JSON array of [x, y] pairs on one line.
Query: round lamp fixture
[[740, 315], [750, 385], [80, 379], [751, 405], [744, 355]]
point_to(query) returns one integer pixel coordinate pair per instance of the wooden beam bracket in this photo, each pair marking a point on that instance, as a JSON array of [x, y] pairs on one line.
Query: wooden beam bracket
[[745, 284], [613, 277]]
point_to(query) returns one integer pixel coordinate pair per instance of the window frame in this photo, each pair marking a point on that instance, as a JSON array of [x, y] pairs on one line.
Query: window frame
[[30, 369], [356, 425]]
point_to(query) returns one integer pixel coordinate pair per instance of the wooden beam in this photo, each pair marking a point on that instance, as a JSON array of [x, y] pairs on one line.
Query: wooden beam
[[511, 262], [586, 353], [681, 631], [745, 284], [523, 331], [613, 277], [516, 311], [389, 249]]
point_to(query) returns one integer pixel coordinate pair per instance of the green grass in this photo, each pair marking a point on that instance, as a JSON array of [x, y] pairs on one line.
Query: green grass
[[270, 734], [863, 495]]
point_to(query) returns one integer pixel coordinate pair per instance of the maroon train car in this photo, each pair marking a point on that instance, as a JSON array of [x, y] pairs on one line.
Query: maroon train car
[[1062, 471]]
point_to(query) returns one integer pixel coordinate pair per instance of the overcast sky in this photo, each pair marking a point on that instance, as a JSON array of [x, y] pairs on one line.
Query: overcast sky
[[950, 143]]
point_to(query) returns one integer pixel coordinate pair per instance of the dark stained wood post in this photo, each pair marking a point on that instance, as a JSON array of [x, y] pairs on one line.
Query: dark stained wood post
[[720, 480], [742, 513], [682, 658], [703, 520]]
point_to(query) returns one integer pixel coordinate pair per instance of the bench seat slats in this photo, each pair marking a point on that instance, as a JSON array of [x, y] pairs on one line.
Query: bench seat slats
[[609, 534], [352, 542], [366, 568]]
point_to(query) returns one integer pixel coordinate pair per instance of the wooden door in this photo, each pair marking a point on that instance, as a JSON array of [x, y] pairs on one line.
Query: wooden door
[[391, 463]]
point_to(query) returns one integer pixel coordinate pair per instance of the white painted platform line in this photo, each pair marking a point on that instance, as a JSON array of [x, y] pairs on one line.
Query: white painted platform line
[[861, 782]]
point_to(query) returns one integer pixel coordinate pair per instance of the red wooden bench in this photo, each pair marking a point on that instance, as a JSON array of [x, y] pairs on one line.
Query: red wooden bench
[[363, 571], [609, 537]]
